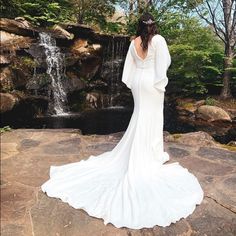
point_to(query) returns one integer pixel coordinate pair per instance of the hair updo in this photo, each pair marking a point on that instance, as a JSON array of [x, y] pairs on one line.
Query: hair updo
[[146, 29]]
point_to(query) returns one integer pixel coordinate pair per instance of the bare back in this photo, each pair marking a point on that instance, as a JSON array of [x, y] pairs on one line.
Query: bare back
[[141, 53]]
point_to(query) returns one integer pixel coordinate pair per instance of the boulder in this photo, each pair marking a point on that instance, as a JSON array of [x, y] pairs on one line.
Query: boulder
[[232, 112], [8, 101], [212, 113]]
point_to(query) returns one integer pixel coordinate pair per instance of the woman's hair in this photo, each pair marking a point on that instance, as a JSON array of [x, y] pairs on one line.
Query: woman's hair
[[146, 29]]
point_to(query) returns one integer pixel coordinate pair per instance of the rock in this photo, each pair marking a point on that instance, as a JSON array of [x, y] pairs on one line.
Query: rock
[[186, 108], [232, 143], [216, 153], [23, 22], [19, 107], [13, 42], [4, 60], [79, 46], [6, 79], [19, 27], [8, 101], [92, 99], [8, 150], [200, 103], [7, 37], [212, 113], [74, 82], [96, 46], [198, 138], [28, 154], [86, 32], [178, 152], [231, 112], [21, 199], [62, 33]]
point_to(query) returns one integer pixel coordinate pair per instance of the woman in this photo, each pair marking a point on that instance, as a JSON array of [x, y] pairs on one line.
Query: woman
[[130, 186]]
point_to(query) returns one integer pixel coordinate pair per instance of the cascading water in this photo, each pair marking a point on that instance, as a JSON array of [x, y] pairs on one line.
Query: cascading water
[[56, 71], [113, 58]]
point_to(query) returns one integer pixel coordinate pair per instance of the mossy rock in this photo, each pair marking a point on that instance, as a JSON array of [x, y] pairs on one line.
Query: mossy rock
[[176, 136], [229, 147]]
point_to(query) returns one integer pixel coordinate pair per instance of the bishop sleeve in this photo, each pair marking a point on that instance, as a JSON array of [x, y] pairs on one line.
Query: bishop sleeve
[[162, 63], [128, 70]]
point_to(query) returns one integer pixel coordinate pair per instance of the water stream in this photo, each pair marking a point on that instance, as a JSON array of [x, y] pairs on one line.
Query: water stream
[[113, 58], [56, 71]]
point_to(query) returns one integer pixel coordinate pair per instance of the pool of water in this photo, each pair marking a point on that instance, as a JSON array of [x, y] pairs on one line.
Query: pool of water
[[111, 120], [102, 121]]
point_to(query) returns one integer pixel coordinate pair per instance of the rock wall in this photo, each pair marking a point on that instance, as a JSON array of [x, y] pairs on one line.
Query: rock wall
[[91, 63]]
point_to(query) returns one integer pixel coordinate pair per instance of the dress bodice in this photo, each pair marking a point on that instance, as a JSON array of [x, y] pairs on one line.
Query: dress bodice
[[148, 61], [158, 58]]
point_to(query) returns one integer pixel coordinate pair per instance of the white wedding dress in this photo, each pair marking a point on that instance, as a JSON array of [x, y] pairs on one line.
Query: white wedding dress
[[130, 186]]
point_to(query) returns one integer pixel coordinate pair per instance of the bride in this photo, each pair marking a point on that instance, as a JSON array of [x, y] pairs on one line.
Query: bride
[[132, 185]]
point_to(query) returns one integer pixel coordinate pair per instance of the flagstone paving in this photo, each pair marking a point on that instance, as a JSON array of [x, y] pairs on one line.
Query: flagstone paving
[[26, 155]]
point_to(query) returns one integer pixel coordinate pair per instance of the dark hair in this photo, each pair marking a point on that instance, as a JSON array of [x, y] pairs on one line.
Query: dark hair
[[146, 29]]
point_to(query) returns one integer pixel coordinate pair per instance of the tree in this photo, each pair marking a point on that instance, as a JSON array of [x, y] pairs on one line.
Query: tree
[[89, 11], [39, 12], [221, 16]]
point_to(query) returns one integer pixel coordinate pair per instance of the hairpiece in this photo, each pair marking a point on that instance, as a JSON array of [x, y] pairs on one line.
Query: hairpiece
[[149, 22]]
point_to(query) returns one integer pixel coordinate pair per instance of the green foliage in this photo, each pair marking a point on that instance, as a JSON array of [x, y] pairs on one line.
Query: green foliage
[[111, 27], [5, 129], [39, 12], [191, 68], [92, 13], [10, 8], [210, 101], [197, 55], [29, 62]]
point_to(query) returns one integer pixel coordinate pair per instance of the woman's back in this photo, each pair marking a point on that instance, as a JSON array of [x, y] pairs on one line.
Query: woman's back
[[157, 58]]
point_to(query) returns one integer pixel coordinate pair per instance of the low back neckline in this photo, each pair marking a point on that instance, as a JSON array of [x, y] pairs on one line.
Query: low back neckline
[[142, 59]]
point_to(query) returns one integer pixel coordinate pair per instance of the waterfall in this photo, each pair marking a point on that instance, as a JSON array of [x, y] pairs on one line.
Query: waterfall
[[113, 58], [56, 71]]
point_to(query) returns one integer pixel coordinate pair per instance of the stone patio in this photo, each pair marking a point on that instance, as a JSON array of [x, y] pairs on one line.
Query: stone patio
[[26, 155]]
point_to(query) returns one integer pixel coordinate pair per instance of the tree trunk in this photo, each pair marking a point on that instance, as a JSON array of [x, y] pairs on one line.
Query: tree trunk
[[142, 4], [80, 14], [228, 63], [229, 49], [131, 10]]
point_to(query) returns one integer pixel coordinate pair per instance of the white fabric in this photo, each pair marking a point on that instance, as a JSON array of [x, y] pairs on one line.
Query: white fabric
[[130, 186]]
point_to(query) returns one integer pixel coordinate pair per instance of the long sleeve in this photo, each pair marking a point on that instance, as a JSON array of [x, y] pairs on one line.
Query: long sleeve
[[162, 63], [128, 69]]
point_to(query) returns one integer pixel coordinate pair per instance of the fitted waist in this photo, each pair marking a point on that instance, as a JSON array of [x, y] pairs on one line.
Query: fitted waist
[[145, 64]]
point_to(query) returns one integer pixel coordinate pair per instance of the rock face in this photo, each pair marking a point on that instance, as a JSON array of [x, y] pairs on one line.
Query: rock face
[[8, 101], [87, 54], [18, 26], [217, 121], [28, 154]]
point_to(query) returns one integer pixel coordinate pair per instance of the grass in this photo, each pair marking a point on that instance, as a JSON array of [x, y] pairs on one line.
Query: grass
[[5, 129]]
